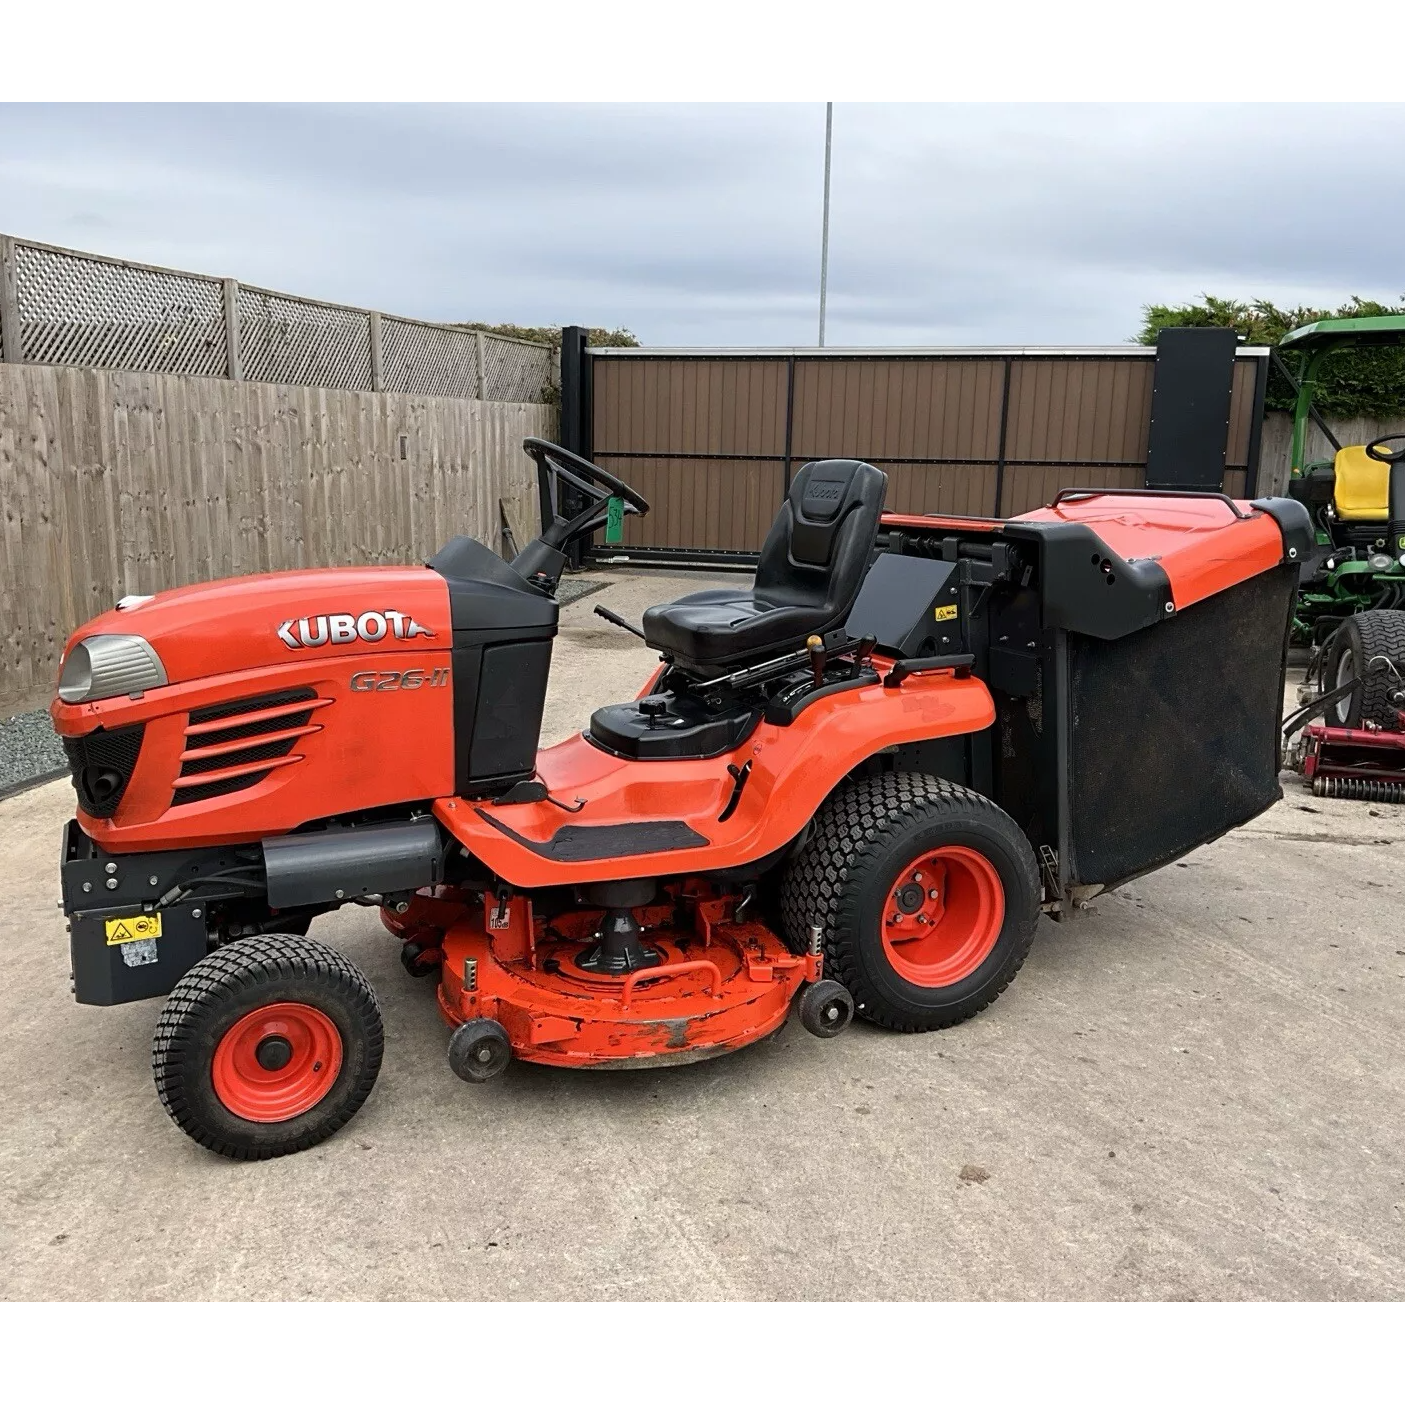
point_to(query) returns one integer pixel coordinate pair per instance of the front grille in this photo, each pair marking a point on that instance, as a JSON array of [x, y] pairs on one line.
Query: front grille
[[245, 756], [101, 764], [210, 789], [214, 741], [241, 706]]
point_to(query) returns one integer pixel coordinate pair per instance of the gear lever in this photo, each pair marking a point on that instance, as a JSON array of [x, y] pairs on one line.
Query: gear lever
[[615, 619]]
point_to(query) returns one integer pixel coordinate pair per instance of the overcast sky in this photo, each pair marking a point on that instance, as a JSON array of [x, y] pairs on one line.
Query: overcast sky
[[701, 225]]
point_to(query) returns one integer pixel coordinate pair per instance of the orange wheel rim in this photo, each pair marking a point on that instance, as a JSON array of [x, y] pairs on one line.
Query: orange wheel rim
[[277, 1062], [943, 916]]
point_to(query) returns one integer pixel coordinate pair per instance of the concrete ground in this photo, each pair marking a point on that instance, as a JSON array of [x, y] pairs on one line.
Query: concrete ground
[[1194, 1092]]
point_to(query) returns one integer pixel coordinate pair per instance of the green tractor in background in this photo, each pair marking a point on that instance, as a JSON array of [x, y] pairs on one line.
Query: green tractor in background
[[1356, 499]]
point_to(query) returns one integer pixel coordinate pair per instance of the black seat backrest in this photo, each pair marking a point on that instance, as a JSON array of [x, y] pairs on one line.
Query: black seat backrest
[[818, 549]]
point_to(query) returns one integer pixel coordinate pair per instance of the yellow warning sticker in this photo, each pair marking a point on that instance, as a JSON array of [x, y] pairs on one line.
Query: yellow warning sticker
[[141, 928], [945, 612]]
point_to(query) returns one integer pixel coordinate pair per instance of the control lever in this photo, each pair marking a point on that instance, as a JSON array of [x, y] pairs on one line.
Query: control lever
[[866, 646], [814, 646], [623, 623]]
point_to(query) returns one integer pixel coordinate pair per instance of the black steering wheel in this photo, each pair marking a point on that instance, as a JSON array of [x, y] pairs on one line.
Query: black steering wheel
[[557, 466], [1374, 449]]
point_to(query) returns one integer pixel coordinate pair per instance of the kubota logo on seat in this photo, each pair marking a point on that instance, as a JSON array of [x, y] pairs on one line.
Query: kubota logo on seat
[[371, 627]]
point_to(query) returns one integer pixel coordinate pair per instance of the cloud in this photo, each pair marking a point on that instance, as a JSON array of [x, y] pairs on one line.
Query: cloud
[[700, 225]]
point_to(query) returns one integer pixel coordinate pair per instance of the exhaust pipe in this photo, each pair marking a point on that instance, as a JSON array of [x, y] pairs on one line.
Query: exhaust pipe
[[335, 865]]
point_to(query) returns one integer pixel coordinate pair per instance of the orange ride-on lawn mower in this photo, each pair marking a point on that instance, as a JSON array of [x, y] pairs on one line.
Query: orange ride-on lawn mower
[[850, 789]]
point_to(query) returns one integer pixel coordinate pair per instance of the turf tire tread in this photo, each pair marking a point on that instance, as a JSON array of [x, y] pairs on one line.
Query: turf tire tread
[[1379, 632], [228, 973], [857, 822]]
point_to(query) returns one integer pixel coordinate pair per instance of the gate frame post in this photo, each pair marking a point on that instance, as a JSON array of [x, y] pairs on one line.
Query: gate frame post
[[575, 392], [575, 414]]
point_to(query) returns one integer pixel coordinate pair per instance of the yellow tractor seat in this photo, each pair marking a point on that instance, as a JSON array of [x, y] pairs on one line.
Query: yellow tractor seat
[[1362, 489]]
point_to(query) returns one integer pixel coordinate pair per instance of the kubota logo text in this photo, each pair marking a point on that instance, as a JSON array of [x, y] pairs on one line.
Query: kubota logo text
[[371, 627]]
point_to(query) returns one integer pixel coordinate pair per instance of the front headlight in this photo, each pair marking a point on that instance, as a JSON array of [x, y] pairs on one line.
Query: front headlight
[[105, 665]]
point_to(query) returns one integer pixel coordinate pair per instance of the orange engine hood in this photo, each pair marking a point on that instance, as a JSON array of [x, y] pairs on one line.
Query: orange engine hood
[[258, 621]]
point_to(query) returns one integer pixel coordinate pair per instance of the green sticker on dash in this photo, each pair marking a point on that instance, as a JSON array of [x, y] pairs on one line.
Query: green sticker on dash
[[614, 522]]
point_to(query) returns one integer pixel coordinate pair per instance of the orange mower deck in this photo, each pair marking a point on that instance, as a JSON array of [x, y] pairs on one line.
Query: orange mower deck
[[722, 984]]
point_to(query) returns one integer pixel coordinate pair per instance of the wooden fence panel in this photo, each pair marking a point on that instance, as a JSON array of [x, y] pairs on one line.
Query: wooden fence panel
[[124, 482]]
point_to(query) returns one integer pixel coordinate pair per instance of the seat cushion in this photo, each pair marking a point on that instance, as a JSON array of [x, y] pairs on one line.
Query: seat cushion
[[1362, 490], [808, 573], [713, 627]]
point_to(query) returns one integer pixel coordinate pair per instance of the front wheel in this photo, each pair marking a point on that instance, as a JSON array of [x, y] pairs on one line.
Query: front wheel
[[1357, 644], [267, 1046], [927, 895]]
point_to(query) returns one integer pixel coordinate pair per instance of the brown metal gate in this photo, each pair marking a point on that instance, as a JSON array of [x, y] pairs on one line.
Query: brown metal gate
[[711, 438]]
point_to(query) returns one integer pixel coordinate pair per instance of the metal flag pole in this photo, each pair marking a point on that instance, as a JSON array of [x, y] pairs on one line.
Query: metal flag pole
[[824, 237]]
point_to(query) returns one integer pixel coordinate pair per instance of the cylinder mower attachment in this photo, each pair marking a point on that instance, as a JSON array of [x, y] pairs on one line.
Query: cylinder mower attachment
[[1357, 679]]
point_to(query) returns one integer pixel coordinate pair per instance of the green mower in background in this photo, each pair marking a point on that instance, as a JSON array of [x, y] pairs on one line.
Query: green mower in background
[[1356, 499]]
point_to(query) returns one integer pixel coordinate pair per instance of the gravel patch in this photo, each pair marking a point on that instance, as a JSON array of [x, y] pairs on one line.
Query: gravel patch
[[29, 750], [569, 590]]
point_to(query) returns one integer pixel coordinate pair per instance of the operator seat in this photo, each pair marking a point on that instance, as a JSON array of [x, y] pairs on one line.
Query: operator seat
[[1360, 486], [812, 564]]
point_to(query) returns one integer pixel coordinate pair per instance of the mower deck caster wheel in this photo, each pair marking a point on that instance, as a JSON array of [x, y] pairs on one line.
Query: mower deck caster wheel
[[479, 1050], [410, 954], [826, 1009]]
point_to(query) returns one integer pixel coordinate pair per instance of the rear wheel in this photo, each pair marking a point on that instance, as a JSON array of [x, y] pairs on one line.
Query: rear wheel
[[1364, 637], [267, 1046], [927, 895]]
